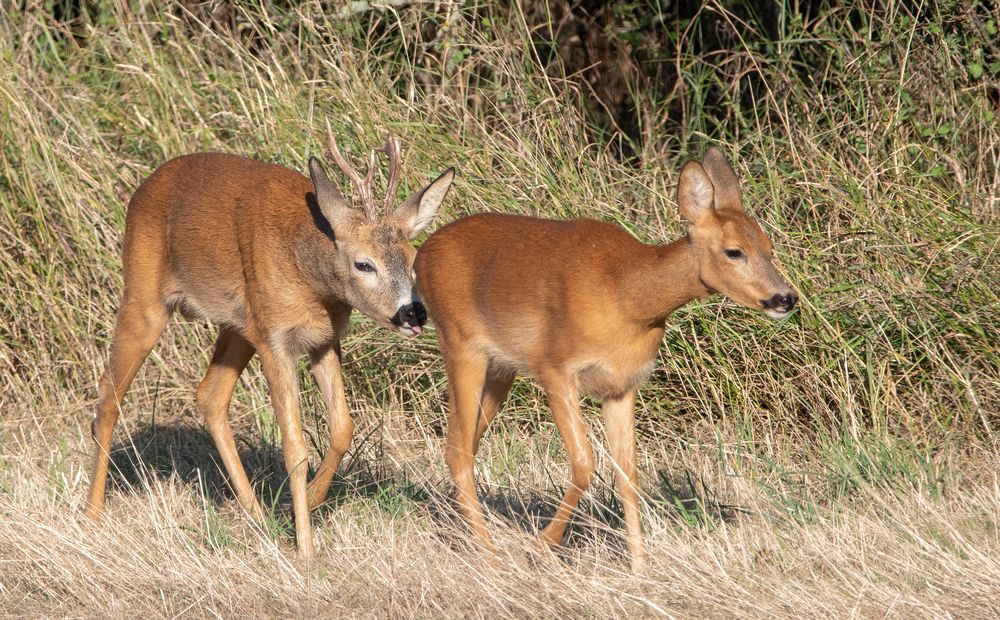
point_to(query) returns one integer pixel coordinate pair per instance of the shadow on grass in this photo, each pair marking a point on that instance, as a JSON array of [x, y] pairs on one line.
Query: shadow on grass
[[682, 496], [187, 452], [161, 451], [598, 519]]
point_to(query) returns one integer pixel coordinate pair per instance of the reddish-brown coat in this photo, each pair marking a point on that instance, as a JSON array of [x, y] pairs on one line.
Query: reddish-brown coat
[[273, 258], [581, 306]]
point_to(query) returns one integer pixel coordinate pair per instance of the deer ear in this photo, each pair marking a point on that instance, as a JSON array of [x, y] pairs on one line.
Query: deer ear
[[332, 204], [727, 185], [420, 208], [695, 194]]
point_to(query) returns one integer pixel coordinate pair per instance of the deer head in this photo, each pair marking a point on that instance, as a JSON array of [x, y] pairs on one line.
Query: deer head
[[734, 255], [374, 258]]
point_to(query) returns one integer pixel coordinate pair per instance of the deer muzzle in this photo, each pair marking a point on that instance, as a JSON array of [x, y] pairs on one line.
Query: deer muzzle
[[410, 319], [779, 305]]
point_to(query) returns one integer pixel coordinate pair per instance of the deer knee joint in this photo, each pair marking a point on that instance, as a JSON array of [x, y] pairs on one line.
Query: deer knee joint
[[340, 439], [209, 406], [458, 460], [583, 471]]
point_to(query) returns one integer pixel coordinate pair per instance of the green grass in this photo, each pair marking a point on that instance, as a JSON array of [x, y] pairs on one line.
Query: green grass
[[842, 461]]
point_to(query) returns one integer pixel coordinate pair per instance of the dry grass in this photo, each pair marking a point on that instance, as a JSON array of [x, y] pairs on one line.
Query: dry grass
[[840, 463], [723, 546]]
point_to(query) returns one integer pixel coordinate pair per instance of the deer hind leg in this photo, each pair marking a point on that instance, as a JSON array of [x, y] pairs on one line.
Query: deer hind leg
[[330, 378], [619, 422], [232, 354], [137, 328], [498, 383], [279, 371], [564, 400], [466, 377]]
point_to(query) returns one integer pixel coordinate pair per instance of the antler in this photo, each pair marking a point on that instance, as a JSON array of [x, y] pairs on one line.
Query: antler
[[363, 186], [394, 152]]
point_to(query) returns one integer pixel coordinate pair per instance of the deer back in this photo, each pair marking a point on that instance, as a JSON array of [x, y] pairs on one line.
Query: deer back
[[269, 251], [585, 298]]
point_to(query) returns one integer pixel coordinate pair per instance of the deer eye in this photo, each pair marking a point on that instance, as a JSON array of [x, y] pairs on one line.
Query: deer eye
[[735, 254], [365, 266]]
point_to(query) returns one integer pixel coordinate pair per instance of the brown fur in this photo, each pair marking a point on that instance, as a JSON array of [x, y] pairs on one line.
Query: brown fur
[[271, 258], [581, 306]]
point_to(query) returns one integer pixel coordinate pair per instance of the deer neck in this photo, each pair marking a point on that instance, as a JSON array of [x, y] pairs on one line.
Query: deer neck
[[318, 263], [664, 278]]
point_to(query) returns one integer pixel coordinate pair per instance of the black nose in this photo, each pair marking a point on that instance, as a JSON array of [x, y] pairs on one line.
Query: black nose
[[411, 314], [779, 302]]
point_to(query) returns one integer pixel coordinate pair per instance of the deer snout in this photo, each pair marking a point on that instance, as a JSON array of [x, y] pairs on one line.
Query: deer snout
[[410, 317], [779, 304]]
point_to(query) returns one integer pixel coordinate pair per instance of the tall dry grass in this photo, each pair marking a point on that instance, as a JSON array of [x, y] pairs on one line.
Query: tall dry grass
[[842, 462]]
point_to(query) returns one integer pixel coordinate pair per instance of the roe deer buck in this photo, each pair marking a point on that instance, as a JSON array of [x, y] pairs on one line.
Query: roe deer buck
[[581, 305], [278, 262]]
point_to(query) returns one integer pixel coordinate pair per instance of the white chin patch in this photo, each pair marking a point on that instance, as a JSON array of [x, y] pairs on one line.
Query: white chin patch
[[408, 330], [777, 314]]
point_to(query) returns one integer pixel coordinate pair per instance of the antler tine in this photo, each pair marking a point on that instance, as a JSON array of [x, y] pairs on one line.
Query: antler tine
[[370, 198], [363, 186], [393, 150]]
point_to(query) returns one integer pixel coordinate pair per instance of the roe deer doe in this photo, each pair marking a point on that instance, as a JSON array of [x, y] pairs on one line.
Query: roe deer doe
[[581, 305], [278, 262]]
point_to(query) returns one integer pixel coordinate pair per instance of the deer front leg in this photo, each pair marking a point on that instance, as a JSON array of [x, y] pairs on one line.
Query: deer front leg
[[466, 375], [495, 390], [279, 371], [619, 423], [232, 354], [329, 376], [564, 400]]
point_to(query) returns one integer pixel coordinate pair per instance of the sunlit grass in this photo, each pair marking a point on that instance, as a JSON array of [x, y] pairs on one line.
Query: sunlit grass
[[840, 462]]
